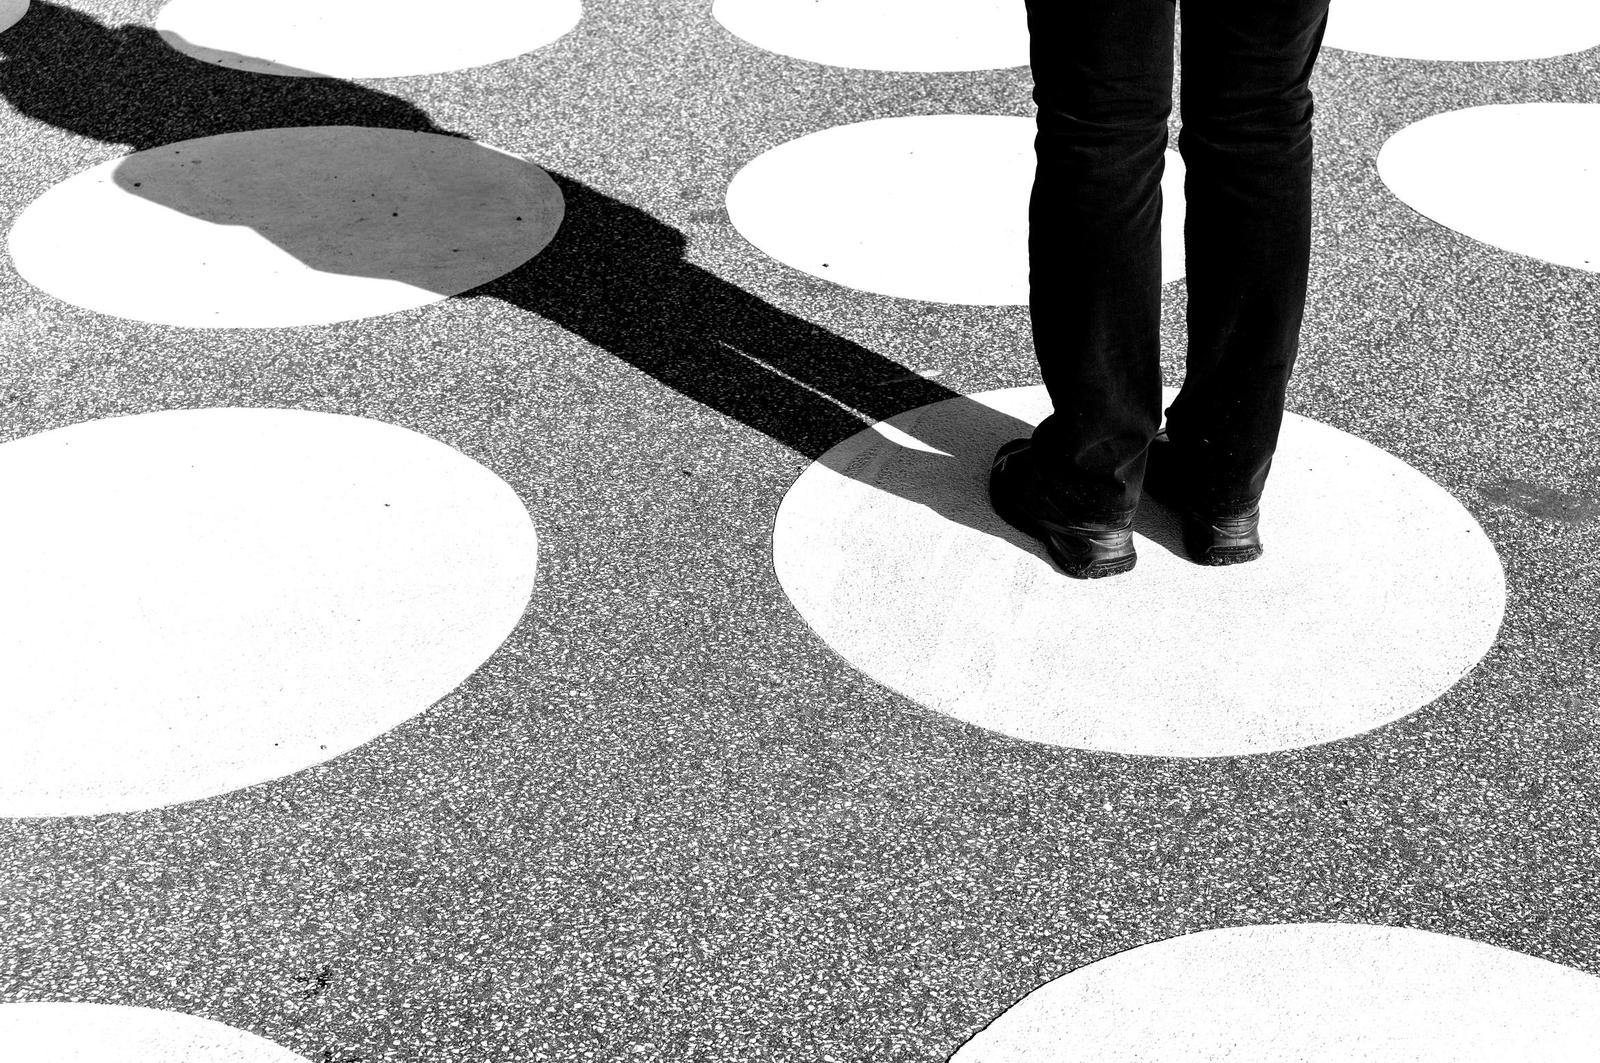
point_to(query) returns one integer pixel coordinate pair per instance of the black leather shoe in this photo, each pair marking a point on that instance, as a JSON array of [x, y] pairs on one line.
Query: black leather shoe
[[1208, 539], [1082, 549]]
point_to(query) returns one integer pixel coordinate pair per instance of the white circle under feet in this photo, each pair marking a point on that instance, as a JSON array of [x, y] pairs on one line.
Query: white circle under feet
[[277, 227], [1316, 993], [54, 1031], [1524, 177], [201, 600], [11, 12], [363, 38], [930, 207], [1376, 593], [1464, 30], [910, 35]]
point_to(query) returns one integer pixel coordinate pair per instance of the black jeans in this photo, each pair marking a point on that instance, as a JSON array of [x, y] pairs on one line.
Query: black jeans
[[1102, 72]]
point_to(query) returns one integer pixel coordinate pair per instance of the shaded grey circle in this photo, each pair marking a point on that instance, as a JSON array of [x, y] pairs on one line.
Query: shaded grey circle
[[11, 12], [276, 227]]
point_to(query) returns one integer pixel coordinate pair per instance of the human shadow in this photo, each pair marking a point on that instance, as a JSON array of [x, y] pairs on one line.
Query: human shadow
[[612, 273], [125, 85]]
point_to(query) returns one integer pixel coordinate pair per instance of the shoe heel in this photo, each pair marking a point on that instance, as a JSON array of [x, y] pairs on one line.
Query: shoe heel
[[1101, 569], [1229, 555], [1071, 558], [1232, 541]]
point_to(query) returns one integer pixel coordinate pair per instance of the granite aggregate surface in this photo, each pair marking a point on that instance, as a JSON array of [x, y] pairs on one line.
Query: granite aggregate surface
[[663, 820]]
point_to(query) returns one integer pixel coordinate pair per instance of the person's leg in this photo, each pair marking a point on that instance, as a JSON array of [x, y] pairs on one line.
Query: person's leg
[[1247, 150], [1102, 72]]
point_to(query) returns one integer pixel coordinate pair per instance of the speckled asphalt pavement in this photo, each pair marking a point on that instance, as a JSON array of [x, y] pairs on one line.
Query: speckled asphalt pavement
[[665, 821]]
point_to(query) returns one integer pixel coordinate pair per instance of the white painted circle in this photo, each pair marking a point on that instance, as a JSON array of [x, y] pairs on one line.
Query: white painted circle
[[1314, 993], [279, 227], [910, 35], [363, 38], [1524, 177], [11, 12], [201, 600], [76, 1032], [930, 207], [1377, 592], [1464, 30]]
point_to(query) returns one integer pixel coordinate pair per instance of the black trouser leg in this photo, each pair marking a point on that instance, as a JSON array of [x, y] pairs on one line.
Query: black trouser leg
[[1102, 73], [1247, 149]]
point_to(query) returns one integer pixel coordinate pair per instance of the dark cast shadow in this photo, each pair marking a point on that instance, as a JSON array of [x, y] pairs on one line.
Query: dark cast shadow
[[613, 274]]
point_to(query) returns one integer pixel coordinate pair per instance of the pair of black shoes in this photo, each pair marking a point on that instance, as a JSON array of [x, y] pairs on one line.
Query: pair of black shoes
[[1091, 549]]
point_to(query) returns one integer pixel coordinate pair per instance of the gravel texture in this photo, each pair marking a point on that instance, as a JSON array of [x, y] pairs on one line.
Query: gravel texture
[[664, 821]]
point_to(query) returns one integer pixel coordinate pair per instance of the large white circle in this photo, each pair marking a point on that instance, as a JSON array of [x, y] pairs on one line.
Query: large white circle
[[930, 207], [55, 1032], [200, 600], [911, 35], [1376, 593], [363, 38], [1524, 177], [1464, 30], [11, 12], [278, 227], [1314, 993]]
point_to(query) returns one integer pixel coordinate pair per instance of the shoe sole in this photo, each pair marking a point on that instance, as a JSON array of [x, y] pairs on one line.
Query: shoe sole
[[1227, 555], [1095, 569]]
